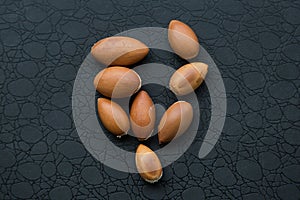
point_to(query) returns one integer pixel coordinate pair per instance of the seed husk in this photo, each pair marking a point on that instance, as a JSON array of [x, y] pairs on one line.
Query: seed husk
[[175, 121], [148, 164], [113, 117]]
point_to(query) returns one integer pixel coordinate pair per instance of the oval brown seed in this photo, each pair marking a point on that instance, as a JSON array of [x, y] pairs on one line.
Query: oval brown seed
[[188, 77], [142, 116], [113, 117], [183, 40], [119, 50], [175, 121], [148, 164], [117, 82]]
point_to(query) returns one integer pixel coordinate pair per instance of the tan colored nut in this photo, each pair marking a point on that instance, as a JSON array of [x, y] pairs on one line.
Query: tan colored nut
[[117, 82], [142, 116], [175, 121], [118, 50], [188, 77], [113, 117], [183, 40], [148, 164]]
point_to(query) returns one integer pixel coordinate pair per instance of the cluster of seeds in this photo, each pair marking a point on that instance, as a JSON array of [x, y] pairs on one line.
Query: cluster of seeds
[[119, 81]]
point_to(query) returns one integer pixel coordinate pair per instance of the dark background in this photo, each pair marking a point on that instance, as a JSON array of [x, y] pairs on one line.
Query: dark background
[[255, 44]]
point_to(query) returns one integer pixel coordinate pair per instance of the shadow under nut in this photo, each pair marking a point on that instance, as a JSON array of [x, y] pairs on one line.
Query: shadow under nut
[[117, 82], [119, 50]]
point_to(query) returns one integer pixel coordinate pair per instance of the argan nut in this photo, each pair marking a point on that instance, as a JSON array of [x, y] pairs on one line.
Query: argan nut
[[117, 82], [187, 78], [113, 117], [148, 164], [119, 50], [183, 40], [175, 121], [142, 116]]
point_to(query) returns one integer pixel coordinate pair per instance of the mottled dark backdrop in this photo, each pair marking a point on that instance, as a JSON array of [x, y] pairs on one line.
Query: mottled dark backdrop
[[256, 45]]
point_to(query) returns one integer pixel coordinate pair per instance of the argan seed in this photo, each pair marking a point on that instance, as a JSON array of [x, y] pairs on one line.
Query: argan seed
[[188, 77], [142, 116], [119, 50], [183, 40], [117, 82], [175, 121], [148, 164], [113, 117]]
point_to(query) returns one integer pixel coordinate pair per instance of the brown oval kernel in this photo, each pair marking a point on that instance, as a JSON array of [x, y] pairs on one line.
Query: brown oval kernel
[[188, 77], [113, 117], [142, 116], [183, 40], [117, 82], [148, 164], [119, 50], [175, 121]]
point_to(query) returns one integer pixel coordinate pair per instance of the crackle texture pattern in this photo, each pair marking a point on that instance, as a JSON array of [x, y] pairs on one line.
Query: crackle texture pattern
[[255, 44]]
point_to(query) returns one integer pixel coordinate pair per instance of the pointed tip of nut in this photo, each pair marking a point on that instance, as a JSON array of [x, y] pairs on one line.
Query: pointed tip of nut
[[200, 65], [160, 142], [140, 80], [142, 148], [144, 139], [162, 139], [96, 44], [97, 78], [172, 22], [99, 100], [155, 180]]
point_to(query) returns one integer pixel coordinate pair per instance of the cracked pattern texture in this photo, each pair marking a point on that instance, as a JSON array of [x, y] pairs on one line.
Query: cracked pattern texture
[[255, 44]]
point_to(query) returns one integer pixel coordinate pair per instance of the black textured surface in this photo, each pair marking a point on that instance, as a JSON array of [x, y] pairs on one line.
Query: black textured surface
[[256, 45]]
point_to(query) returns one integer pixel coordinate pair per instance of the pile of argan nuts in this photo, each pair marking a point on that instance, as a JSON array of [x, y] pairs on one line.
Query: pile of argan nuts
[[118, 81]]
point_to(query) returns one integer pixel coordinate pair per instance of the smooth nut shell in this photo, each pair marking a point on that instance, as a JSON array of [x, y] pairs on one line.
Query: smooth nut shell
[[188, 77], [183, 40], [175, 121], [113, 117], [117, 82], [148, 164], [142, 116], [119, 50]]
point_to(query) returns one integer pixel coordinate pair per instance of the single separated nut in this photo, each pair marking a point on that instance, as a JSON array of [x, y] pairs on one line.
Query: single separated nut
[[183, 40], [142, 116], [113, 117], [175, 121], [148, 164], [188, 77], [117, 82], [119, 50]]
